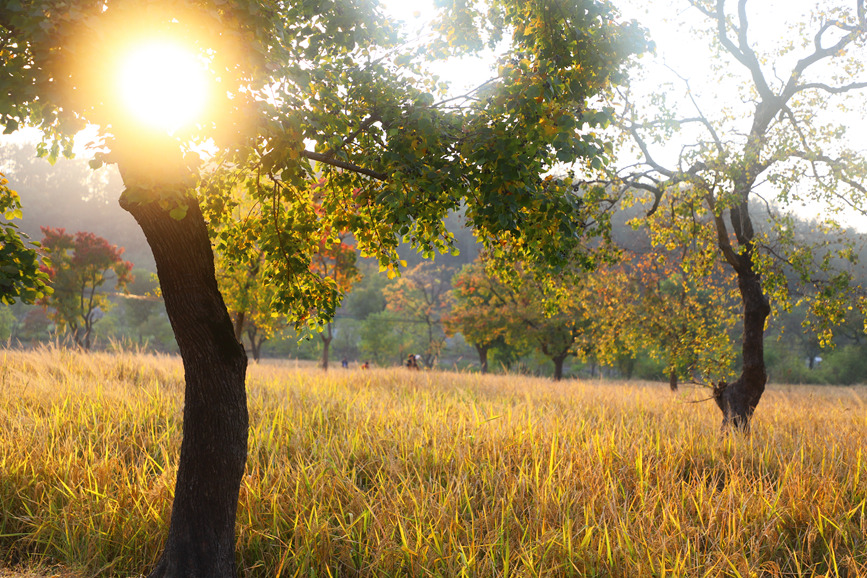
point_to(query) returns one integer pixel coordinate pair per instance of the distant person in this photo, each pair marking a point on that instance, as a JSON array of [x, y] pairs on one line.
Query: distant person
[[365, 365], [411, 362], [345, 363]]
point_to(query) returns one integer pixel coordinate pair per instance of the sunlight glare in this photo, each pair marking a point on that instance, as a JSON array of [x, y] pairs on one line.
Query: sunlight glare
[[163, 85]]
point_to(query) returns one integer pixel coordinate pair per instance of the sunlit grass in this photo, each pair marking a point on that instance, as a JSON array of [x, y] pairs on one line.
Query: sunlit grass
[[391, 473]]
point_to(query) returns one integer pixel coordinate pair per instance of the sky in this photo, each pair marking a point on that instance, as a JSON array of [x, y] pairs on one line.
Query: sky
[[679, 53], [666, 20]]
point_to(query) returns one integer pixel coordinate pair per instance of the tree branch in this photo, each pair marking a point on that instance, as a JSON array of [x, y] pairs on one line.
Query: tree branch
[[353, 135], [831, 89], [325, 159]]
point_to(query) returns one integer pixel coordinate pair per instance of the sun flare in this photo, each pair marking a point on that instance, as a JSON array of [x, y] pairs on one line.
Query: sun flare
[[163, 85]]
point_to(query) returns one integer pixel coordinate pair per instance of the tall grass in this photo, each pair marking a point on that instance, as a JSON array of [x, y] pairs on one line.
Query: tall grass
[[391, 473]]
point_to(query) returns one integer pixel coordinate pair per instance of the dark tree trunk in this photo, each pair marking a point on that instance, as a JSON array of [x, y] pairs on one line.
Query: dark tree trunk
[[483, 357], [240, 317], [255, 342], [558, 366], [672, 380], [738, 400], [326, 336], [201, 539]]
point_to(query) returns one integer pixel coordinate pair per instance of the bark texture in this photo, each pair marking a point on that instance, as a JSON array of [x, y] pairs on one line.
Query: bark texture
[[739, 399], [201, 539]]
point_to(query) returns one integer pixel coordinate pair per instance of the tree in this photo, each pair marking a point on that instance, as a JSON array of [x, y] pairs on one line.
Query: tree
[[524, 311], [780, 136], [648, 305], [666, 295], [557, 323], [476, 312], [335, 260], [141, 302], [248, 296], [398, 154], [420, 296], [80, 266]]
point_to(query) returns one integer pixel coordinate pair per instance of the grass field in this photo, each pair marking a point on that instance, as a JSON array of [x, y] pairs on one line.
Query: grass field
[[391, 473]]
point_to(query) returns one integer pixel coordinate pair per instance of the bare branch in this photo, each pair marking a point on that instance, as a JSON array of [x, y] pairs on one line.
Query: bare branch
[[702, 118], [468, 96], [742, 51], [835, 164], [820, 53], [831, 89], [647, 156]]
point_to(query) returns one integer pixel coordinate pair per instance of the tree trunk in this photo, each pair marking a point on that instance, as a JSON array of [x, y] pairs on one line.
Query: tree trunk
[[483, 358], [672, 380], [240, 317], [558, 366], [326, 336], [201, 539], [738, 400], [255, 342]]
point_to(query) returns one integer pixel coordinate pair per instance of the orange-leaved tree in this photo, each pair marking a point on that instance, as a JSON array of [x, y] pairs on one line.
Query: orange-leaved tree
[[477, 311]]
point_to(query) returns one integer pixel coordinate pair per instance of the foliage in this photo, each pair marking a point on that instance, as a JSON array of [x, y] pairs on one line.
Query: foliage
[[21, 274], [80, 266], [351, 473], [780, 137], [523, 312], [248, 296], [421, 296], [335, 261], [673, 301], [476, 312], [396, 153]]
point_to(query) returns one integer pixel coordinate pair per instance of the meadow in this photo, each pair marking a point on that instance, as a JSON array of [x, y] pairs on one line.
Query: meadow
[[395, 473]]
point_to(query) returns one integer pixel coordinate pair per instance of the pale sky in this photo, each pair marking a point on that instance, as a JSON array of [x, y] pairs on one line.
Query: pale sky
[[667, 21]]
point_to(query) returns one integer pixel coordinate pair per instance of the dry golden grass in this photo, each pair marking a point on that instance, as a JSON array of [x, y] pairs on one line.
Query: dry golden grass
[[392, 473]]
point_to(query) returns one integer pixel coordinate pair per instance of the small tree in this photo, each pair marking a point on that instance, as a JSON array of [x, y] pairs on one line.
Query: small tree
[[335, 261], [80, 266], [476, 310], [248, 295], [548, 315], [420, 295], [141, 303]]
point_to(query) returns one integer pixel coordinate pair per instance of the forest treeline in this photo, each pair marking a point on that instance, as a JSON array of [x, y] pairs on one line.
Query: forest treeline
[[634, 317]]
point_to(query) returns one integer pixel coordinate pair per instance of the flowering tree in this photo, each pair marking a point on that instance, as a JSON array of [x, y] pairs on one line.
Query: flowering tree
[[80, 266]]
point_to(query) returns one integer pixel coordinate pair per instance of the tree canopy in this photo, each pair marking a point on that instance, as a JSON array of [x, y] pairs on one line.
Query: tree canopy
[[333, 82]]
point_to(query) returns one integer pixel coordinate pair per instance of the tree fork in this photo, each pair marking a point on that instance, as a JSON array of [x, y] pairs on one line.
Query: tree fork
[[201, 538]]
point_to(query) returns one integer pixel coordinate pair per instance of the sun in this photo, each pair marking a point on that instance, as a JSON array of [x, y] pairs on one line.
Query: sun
[[163, 85]]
